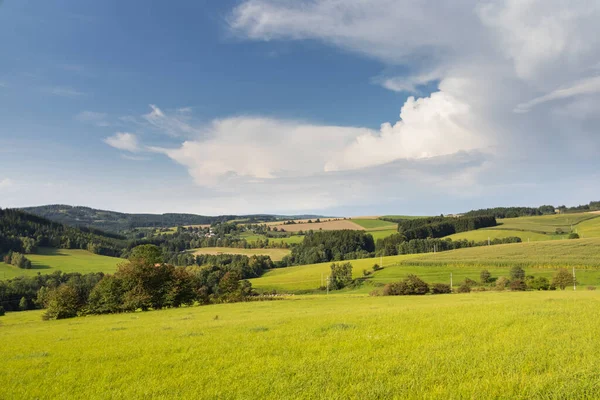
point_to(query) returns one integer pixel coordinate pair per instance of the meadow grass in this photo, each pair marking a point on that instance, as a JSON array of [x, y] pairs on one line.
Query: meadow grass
[[48, 260], [375, 224], [545, 223], [382, 234], [482, 235], [275, 254], [477, 345], [589, 228], [580, 253]]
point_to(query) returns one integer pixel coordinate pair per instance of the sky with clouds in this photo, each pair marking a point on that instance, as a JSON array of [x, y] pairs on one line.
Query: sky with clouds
[[336, 107]]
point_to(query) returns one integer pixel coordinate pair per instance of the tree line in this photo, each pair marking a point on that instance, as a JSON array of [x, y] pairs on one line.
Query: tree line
[[142, 283], [324, 246], [397, 244]]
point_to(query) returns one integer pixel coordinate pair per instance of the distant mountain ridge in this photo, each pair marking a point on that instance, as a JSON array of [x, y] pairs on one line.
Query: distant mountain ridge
[[114, 221]]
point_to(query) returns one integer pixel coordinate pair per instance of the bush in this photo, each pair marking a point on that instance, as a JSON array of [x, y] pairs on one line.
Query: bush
[[412, 285], [591, 288], [501, 283], [469, 282], [375, 293], [440, 288], [464, 288], [2, 311], [376, 267], [518, 285], [366, 273], [573, 235], [63, 302], [562, 279], [517, 273], [485, 276], [341, 275], [539, 283]]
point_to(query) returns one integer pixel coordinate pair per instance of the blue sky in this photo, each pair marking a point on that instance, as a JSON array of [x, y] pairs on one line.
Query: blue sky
[[277, 106]]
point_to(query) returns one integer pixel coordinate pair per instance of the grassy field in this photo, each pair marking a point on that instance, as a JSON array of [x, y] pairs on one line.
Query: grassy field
[[275, 254], [589, 228], [375, 224], [581, 253], [308, 277], [49, 260], [478, 345], [481, 235], [545, 223], [383, 233], [332, 225]]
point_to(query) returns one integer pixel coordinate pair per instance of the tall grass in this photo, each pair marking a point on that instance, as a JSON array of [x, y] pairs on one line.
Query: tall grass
[[478, 345]]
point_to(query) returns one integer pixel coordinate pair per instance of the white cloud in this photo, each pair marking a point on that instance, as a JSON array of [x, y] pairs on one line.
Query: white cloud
[[586, 86], [6, 183], [92, 117], [63, 91], [173, 125], [123, 141]]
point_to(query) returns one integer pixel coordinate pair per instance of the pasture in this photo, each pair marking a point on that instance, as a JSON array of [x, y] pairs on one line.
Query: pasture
[[275, 254], [546, 223], [48, 260], [375, 224], [478, 345], [481, 235], [332, 225]]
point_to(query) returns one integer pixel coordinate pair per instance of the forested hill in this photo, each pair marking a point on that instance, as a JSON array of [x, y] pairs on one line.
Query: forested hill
[[23, 232], [116, 221]]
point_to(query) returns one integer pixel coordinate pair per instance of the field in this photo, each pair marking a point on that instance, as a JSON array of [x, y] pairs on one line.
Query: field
[[333, 225], [589, 228], [380, 234], [482, 235], [478, 345], [581, 253], [49, 260], [375, 224], [545, 223], [275, 254]]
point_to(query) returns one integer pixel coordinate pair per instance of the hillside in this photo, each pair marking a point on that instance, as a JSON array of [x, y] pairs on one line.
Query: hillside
[[116, 221]]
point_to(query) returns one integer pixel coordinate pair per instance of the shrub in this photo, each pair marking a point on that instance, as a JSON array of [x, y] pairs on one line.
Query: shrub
[[376, 267], [341, 275], [469, 282], [412, 285], [518, 285], [591, 288], [539, 283], [366, 273], [485, 276], [440, 288], [573, 235], [2, 311], [517, 273], [464, 288], [562, 279], [375, 293], [501, 283], [62, 303]]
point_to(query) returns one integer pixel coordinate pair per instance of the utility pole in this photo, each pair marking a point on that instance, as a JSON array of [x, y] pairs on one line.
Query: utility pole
[[489, 241], [451, 281]]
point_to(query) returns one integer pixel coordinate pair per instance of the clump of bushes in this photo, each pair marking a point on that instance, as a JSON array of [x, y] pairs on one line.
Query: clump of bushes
[[464, 288], [573, 235], [539, 283], [17, 259], [412, 285], [440, 288], [2, 311], [377, 267], [518, 285], [591, 288]]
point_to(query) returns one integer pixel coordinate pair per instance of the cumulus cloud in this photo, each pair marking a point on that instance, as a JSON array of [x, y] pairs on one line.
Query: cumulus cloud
[[123, 141], [586, 86]]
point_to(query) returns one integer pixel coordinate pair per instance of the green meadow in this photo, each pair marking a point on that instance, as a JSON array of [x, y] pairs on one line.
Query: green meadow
[[482, 235], [480, 345], [47, 261], [375, 224], [546, 223]]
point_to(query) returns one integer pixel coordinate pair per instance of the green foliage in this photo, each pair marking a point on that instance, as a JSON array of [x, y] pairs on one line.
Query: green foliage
[[437, 227], [440, 288], [501, 283], [539, 283], [563, 278], [341, 275], [23, 304], [2, 311], [518, 285], [412, 285], [573, 235], [146, 253], [63, 302], [324, 246], [485, 276], [517, 273]]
